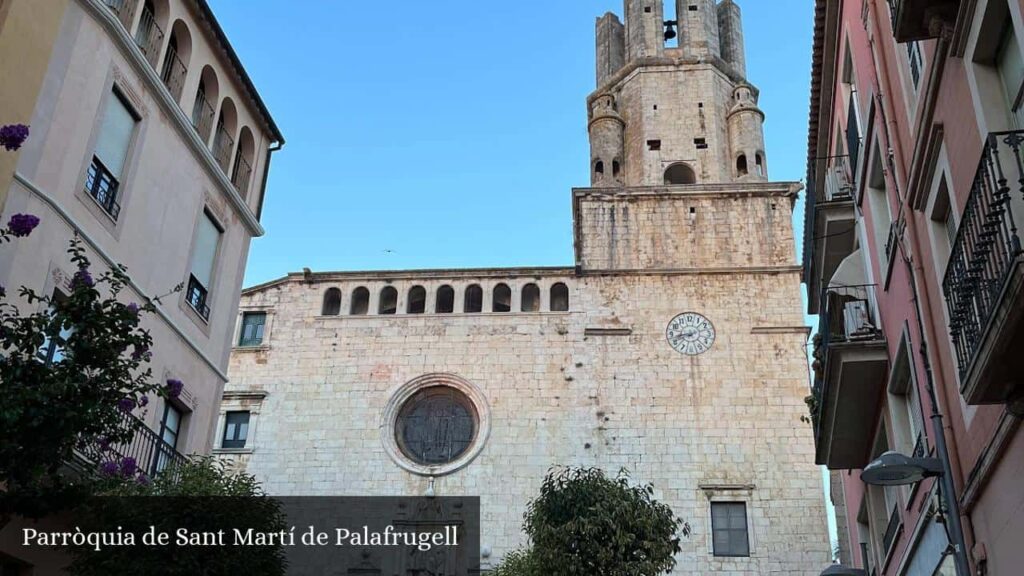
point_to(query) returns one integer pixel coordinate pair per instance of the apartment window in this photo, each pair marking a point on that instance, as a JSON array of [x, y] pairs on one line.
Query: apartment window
[[905, 406], [943, 227], [52, 350], [204, 257], [170, 428], [1011, 73], [729, 529], [236, 430], [883, 508], [916, 62], [881, 212], [103, 179], [253, 324]]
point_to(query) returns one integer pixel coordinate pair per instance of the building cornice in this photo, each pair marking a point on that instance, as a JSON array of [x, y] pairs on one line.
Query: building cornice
[[177, 116]]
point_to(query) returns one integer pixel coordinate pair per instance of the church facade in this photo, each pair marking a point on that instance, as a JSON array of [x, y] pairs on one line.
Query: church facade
[[675, 347]]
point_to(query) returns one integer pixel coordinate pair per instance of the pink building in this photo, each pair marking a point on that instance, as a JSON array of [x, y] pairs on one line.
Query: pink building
[[913, 262]]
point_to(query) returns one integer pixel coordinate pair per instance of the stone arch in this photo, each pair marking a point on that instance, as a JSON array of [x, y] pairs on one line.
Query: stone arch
[[176, 59], [559, 297], [360, 305], [680, 173], [417, 302], [530, 298], [207, 94], [388, 304], [741, 165], [224, 136], [473, 299], [445, 300], [241, 170], [332, 303], [502, 298]]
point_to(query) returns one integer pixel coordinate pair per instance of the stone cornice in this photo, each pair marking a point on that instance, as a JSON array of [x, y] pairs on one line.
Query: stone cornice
[[134, 56]]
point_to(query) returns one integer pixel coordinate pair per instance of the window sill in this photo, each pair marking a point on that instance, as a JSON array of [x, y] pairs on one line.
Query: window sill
[[258, 348], [232, 450]]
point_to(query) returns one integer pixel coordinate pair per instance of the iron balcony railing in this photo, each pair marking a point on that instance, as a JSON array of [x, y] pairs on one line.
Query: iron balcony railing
[[149, 36], [151, 453], [124, 9], [173, 73], [202, 116], [847, 315], [103, 187], [241, 174], [196, 297], [223, 144], [891, 530], [987, 245]]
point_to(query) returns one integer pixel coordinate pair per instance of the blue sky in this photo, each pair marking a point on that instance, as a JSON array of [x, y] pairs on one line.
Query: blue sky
[[449, 134]]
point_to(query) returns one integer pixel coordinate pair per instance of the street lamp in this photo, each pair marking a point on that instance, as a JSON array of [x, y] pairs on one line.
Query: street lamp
[[840, 570], [895, 469]]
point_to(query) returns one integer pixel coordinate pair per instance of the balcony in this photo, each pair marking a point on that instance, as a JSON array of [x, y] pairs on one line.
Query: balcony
[[831, 225], [241, 174], [202, 116], [915, 19], [196, 295], [151, 453], [851, 374], [223, 144], [123, 9], [149, 36], [984, 282], [173, 74]]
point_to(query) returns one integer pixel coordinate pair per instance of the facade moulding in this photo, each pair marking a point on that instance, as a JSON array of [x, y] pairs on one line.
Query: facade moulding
[[633, 66]]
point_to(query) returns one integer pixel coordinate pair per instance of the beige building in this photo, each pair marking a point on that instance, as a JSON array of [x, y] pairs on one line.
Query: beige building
[[149, 142], [675, 347]]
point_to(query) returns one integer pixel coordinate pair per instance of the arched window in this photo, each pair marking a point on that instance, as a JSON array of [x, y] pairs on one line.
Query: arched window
[[760, 164], [559, 298], [531, 298], [616, 168], [224, 137], [241, 172], [445, 300], [332, 302], [149, 36], [474, 301], [175, 67], [360, 302], [388, 301], [502, 299], [417, 303], [680, 174], [206, 96], [599, 167], [741, 165]]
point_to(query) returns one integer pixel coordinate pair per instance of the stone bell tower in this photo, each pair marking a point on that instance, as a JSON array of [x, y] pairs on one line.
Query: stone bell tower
[[672, 104]]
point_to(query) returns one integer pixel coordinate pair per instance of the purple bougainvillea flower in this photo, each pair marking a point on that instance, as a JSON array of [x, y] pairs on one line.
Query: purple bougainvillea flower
[[133, 308], [140, 352], [22, 225], [82, 279], [13, 136], [126, 404], [109, 468], [143, 401], [104, 443], [129, 467], [174, 388]]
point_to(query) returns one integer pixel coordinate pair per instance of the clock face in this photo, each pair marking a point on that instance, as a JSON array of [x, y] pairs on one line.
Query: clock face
[[690, 334]]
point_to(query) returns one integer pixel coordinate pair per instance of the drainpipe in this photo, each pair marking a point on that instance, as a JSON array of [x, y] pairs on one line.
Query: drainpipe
[[955, 531], [266, 173]]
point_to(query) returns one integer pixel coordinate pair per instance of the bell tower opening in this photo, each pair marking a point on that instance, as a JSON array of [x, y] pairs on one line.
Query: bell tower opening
[[680, 173]]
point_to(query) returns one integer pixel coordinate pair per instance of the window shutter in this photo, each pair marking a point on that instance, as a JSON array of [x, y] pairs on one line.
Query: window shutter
[[207, 239], [1011, 72], [115, 135]]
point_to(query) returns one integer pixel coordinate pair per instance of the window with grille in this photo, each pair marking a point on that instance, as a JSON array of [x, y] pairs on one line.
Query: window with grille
[[252, 328], [103, 178], [203, 258], [236, 430], [729, 529]]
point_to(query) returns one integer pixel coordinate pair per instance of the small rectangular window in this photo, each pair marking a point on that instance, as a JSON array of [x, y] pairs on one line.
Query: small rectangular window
[[203, 257], [729, 529], [252, 328], [103, 179], [654, 145], [700, 143], [170, 427], [52, 350], [236, 430]]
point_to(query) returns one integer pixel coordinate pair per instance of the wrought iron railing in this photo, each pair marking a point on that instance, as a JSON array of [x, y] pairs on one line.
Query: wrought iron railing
[[919, 446], [987, 245], [196, 297], [101, 184], [151, 453], [223, 144], [838, 179], [149, 36], [173, 73], [124, 9], [891, 530], [241, 174], [202, 116]]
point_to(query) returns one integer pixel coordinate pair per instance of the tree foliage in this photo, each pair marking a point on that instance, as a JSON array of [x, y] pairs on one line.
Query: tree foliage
[[586, 523]]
